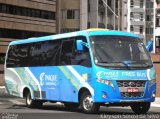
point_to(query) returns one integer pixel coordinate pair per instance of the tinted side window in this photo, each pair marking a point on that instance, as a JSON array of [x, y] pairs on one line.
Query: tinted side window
[[10, 62], [67, 51], [18, 56], [35, 54], [45, 53], [81, 58], [22, 55], [52, 52], [48, 53]]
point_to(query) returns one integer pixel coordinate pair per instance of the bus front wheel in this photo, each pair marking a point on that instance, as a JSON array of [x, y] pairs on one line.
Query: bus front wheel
[[87, 104], [32, 103], [141, 108]]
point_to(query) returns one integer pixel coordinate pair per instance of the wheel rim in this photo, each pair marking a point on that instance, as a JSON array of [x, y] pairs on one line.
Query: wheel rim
[[87, 103], [29, 99]]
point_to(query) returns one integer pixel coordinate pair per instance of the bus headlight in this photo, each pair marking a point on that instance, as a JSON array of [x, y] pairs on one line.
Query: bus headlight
[[107, 82], [151, 82]]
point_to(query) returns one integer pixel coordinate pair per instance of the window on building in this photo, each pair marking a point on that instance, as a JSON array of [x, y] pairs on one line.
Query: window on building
[[22, 11], [149, 30], [157, 22], [132, 16], [149, 17], [3, 8], [20, 34], [109, 2], [149, 4], [141, 3], [72, 14], [117, 4], [131, 28], [141, 17], [141, 30], [132, 3]]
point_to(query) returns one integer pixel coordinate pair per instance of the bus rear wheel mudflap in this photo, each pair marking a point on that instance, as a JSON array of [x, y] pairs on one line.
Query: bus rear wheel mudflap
[[140, 108], [30, 103], [87, 104]]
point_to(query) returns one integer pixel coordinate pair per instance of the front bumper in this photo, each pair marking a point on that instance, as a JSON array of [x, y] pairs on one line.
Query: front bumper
[[108, 94]]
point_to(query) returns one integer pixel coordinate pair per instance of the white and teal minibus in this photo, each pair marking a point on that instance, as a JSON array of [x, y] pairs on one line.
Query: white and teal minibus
[[89, 68]]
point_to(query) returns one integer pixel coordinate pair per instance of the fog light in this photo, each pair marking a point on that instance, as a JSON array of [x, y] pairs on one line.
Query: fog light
[[153, 95], [104, 96]]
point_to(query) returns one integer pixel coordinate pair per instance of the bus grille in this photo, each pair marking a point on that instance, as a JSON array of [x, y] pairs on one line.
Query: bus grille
[[123, 85], [131, 95], [131, 83]]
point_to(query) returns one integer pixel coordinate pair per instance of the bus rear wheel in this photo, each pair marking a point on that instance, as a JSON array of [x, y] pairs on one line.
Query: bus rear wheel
[[141, 108], [87, 104], [32, 103]]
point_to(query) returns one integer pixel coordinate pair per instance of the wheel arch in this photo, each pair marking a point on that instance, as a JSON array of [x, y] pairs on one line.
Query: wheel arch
[[81, 91], [25, 90]]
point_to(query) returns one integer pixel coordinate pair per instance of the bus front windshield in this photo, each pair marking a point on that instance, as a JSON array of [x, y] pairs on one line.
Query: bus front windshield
[[120, 52]]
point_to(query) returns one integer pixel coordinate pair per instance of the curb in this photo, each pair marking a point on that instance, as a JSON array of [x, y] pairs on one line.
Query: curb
[[2, 87], [155, 105]]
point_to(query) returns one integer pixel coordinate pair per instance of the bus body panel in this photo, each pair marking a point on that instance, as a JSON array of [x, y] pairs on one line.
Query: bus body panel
[[63, 83], [53, 83], [113, 93]]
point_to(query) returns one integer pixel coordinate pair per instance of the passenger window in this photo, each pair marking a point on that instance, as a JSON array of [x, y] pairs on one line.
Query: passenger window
[[48, 53], [35, 54], [53, 52], [66, 52], [23, 53], [11, 57]]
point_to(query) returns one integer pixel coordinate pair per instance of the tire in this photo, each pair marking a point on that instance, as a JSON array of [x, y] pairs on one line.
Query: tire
[[30, 103], [140, 108], [87, 105], [71, 106]]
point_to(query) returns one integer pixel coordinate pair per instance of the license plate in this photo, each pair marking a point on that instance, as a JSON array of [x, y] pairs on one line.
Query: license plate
[[132, 90]]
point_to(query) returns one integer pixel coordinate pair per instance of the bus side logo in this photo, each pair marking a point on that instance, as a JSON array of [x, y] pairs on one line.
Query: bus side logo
[[41, 79], [48, 80]]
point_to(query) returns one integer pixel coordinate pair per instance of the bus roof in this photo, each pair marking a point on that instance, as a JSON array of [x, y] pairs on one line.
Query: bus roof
[[88, 32]]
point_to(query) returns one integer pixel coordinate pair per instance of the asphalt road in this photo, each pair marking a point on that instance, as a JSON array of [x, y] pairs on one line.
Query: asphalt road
[[14, 108]]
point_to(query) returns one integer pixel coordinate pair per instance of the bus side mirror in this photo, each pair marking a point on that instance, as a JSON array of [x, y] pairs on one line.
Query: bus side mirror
[[149, 46], [79, 44]]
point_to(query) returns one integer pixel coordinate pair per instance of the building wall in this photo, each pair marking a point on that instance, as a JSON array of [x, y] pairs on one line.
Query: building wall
[[100, 14], [20, 19], [68, 15], [36, 4], [140, 18], [29, 23]]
